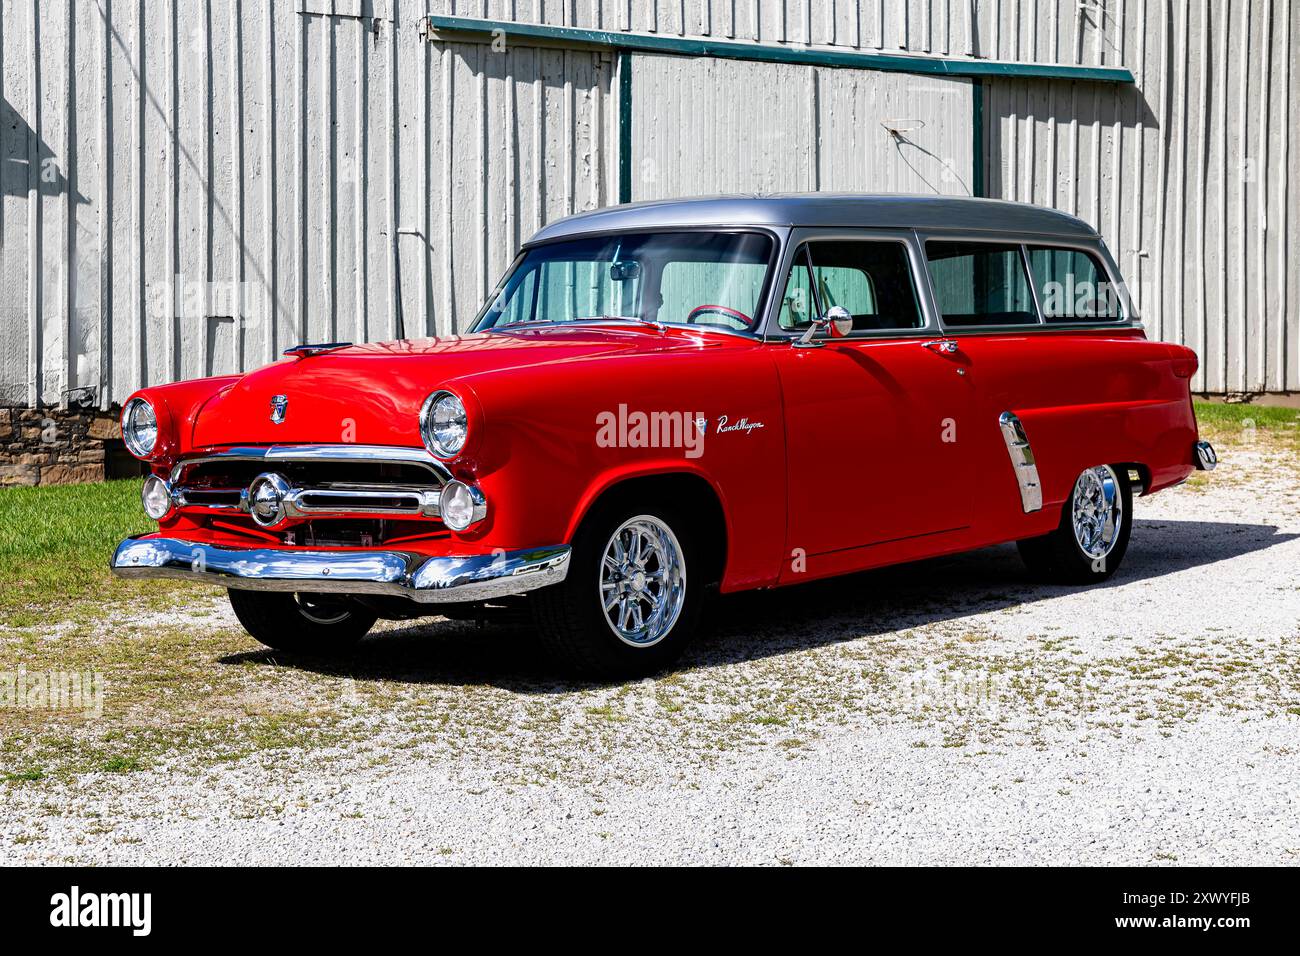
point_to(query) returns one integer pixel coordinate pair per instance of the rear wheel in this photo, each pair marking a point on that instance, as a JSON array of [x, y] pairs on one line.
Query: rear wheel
[[1089, 543], [632, 595], [305, 623]]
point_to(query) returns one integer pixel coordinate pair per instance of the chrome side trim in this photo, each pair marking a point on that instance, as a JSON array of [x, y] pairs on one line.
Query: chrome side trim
[[380, 454], [1022, 461], [421, 578], [1206, 457]]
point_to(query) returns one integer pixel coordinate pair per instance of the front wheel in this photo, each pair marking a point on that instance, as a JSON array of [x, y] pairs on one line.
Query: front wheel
[[1090, 542], [302, 623], [632, 595]]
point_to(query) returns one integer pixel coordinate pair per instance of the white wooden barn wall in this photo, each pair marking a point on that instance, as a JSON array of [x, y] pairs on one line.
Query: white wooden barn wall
[[190, 186], [703, 126]]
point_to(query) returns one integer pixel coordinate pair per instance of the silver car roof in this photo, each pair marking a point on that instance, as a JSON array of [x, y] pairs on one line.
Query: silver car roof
[[894, 210]]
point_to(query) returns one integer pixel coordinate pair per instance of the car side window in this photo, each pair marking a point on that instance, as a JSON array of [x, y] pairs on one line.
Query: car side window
[[870, 278], [1072, 286], [797, 304], [980, 283]]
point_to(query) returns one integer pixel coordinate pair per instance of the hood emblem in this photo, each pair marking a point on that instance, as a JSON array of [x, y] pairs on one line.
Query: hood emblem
[[279, 406]]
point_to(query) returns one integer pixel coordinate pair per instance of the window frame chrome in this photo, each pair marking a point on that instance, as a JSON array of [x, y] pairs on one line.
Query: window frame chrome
[[798, 239], [778, 235], [1096, 247]]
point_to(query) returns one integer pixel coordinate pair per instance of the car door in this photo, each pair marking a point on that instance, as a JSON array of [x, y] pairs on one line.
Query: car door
[[876, 420]]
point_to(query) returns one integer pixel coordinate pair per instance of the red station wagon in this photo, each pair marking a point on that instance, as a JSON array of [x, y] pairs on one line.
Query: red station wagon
[[664, 399]]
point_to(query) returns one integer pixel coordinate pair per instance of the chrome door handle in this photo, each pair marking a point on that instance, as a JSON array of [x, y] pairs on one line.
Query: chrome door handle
[[941, 345]]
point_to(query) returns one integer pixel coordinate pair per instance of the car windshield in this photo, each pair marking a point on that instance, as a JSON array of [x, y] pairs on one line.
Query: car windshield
[[705, 279]]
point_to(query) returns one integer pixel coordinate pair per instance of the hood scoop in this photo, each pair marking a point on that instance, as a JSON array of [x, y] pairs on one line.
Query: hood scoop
[[308, 350]]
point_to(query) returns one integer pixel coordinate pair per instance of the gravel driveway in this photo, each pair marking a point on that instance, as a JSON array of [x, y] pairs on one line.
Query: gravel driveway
[[946, 712]]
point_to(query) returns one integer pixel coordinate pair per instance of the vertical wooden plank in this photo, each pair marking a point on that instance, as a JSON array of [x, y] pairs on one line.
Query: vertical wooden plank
[[481, 132], [270, 190], [300, 318], [68, 225], [237, 236], [361, 168], [1221, 81], [1201, 204], [428, 319], [35, 207], [395, 324], [1261, 197], [328, 177], [1139, 217], [1288, 376], [173, 196], [105, 329], [200, 259], [1244, 178]]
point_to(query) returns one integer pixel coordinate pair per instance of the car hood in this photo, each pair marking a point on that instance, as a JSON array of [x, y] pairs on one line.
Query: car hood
[[371, 394]]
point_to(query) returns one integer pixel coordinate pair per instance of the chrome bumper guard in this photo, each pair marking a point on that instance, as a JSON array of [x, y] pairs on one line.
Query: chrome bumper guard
[[419, 577]]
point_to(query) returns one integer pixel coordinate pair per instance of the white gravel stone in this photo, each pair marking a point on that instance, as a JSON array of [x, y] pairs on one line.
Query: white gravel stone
[[948, 712]]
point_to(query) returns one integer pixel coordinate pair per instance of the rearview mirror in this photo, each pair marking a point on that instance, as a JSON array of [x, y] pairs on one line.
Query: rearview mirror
[[625, 271]]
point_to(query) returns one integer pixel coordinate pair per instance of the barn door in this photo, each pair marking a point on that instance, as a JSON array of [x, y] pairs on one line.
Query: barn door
[[704, 126]]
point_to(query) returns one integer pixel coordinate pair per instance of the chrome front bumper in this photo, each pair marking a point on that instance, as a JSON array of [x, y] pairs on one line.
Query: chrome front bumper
[[419, 577]]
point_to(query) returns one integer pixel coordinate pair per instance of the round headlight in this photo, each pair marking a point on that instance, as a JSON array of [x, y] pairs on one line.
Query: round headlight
[[444, 425], [156, 498], [460, 505], [139, 428]]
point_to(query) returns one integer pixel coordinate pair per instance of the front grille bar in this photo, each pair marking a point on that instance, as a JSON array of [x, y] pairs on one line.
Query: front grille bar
[[322, 502], [335, 499], [282, 454]]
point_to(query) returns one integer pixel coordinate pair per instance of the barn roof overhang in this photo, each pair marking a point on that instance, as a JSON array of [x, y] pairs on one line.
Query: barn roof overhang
[[456, 27]]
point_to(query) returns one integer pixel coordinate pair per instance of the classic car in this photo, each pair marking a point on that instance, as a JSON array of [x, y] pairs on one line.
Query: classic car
[[666, 400]]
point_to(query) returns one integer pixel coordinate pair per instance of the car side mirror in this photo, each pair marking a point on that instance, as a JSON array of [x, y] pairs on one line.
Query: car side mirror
[[837, 322]]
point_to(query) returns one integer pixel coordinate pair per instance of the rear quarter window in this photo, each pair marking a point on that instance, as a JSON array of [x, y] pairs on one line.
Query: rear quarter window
[[980, 283], [1072, 286]]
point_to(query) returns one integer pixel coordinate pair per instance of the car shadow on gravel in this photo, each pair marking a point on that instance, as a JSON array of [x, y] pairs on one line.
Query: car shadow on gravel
[[761, 624]]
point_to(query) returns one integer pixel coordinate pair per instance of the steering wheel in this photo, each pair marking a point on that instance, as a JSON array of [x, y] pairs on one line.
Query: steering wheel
[[733, 318]]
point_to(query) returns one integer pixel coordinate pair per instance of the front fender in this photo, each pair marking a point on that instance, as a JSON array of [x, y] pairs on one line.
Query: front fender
[[544, 459]]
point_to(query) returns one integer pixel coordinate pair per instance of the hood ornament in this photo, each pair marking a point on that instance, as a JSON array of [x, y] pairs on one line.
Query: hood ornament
[[308, 350], [279, 407]]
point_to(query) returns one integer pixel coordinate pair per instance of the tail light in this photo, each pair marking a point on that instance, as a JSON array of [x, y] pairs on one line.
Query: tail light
[[1183, 360]]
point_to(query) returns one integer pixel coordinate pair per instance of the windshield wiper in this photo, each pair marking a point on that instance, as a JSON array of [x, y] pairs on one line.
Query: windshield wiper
[[619, 318], [581, 319]]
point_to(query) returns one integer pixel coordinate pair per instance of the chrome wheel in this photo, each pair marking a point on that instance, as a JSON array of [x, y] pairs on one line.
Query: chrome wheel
[[1097, 511], [642, 581]]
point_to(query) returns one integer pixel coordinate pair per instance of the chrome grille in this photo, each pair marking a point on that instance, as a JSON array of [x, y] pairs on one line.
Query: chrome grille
[[324, 480]]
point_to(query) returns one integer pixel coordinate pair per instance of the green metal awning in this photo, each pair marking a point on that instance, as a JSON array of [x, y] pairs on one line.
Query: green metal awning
[[453, 27]]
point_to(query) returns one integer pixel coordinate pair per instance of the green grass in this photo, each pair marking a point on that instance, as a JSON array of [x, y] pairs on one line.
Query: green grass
[[55, 544], [1219, 415]]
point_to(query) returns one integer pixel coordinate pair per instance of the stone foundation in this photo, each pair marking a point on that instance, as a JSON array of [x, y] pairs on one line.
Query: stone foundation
[[56, 446]]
